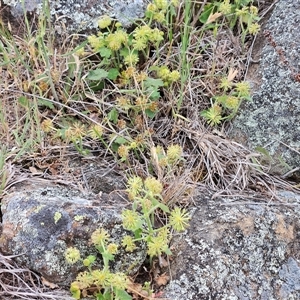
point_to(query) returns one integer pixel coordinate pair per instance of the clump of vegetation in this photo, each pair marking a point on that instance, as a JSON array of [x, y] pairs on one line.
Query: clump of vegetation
[[225, 106], [147, 201], [145, 99]]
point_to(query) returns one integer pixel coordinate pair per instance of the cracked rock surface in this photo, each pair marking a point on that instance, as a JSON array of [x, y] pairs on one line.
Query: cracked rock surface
[[40, 221], [239, 249], [76, 15], [272, 119]]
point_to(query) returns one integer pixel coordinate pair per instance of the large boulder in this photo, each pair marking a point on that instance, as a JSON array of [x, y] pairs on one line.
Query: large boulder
[[239, 248], [76, 15], [272, 120], [40, 221]]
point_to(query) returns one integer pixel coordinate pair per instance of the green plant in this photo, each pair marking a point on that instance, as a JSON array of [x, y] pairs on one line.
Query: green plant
[[147, 201], [104, 284], [225, 106]]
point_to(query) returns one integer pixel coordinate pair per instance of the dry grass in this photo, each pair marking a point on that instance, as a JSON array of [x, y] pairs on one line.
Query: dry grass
[[41, 81], [21, 283]]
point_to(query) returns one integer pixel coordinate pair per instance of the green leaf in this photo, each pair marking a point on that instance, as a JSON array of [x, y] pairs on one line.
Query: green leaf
[[91, 258], [208, 10], [138, 233], [151, 114], [154, 95], [248, 98], [113, 116], [43, 102], [168, 251], [113, 74], [105, 52], [122, 295], [120, 140], [263, 151], [23, 101], [221, 99], [164, 207], [107, 256], [154, 68], [115, 147], [97, 86], [124, 52], [152, 82], [76, 294], [71, 67], [106, 296], [97, 74]]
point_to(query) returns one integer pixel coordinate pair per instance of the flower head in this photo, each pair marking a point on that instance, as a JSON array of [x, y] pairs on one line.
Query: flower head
[[113, 42], [139, 44], [85, 279], [121, 35], [72, 255], [243, 88], [101, 278], [174, 153], [156, 36], [128, 243], [174, 76], [47, 125], [153, 185], [232, 102], [112, 248], [225, 7], [104, 22], [96, 42], [123, 151], [213, 114], [254, 28], [99, 236], [253, 10], [163, 73], [119, 281], [135, 184], [159, 17], [161, 4], [151, 7], [142, 32], [225, 84], [131, 220], [156, 246], [179, 219], [131, 59], [175, 3], [95, 131]]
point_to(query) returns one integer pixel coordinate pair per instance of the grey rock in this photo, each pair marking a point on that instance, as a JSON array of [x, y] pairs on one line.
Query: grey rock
[[238, 250], [75, 15], [272, 119], [40, 221]]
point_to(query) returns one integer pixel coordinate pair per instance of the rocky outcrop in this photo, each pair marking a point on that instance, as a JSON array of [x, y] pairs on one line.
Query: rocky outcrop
[[239, 249], [40, 221], [272, 119], [74, 16]]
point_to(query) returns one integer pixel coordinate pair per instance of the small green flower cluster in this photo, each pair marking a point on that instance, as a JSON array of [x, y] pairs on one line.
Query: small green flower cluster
[[103, 283], [230, 101], [242, 12], [115, 43], [72, 131], [157, 10], [167, 76], [147, 200], [169, 159]]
